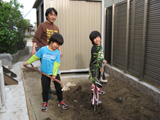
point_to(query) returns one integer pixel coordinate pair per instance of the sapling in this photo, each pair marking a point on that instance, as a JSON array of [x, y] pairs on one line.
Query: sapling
[[95, 64]]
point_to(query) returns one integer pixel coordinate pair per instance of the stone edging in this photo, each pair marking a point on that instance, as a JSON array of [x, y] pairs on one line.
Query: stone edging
[[145, 88], [30, 111]]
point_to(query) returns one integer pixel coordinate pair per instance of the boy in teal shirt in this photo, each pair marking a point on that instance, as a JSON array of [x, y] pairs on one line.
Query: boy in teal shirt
[[50, 62]]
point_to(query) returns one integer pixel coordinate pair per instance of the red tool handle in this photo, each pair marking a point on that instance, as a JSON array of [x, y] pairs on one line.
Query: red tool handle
[[33, 68]]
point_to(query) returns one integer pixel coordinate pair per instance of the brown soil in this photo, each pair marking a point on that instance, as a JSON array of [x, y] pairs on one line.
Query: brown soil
[[120, 102]]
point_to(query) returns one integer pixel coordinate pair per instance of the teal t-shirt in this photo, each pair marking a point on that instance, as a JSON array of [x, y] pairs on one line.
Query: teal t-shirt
[[48, 58]]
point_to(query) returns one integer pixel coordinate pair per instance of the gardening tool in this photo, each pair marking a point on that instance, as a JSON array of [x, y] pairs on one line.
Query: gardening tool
[[65, 87], [101, 76]]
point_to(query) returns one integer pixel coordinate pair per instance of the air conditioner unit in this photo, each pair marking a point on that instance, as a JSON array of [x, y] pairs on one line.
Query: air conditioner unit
[[2, 90]]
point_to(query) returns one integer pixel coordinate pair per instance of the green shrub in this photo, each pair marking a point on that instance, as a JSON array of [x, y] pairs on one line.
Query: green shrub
[[27, 36], [12, 27]]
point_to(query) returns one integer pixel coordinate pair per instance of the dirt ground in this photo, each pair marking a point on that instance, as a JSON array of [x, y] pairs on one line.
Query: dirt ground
[[120, 102]]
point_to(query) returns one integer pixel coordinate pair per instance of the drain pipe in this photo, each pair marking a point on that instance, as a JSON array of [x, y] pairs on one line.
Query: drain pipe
[[102, 24], [2, 91], [44, 9], [51, 3]]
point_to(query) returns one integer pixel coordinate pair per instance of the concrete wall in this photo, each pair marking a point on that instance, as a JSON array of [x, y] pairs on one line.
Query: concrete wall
[[8, 59]]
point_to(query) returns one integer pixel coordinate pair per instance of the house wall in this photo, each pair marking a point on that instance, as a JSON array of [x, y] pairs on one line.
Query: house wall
[[27, 32], [76, 19], [111, 2], [39, 12]]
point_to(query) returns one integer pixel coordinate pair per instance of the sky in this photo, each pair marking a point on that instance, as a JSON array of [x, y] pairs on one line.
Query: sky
[[28, 4]]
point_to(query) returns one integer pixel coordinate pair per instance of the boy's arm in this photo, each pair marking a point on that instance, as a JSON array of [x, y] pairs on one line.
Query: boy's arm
[[33, 58], [55, 68], [56, 64]]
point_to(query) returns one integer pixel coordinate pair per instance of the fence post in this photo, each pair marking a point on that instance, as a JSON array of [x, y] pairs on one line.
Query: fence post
[[132, 38], [144, 39], [113, 6], [2, 90], [127, 36]]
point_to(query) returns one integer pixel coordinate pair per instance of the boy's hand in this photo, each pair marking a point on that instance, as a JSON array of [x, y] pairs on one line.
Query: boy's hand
[[104, 61], [101, 70], [25, 64], [53, 77]]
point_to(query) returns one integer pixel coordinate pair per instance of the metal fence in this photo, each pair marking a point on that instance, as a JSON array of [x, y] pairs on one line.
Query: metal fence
[[132, 38]]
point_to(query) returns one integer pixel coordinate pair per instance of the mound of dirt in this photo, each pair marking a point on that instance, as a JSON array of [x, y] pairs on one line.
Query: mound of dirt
[[121, 101]]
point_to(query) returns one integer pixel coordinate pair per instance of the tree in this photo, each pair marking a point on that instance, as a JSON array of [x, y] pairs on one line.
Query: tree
[[12, 27]]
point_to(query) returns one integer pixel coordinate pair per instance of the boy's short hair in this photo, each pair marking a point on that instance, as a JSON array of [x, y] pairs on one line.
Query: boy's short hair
[[93, 35], [56, 37], [49, 10]]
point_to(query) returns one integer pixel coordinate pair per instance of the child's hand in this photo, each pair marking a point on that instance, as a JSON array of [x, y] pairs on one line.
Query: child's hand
[[25, 64], [104, 61], [53, 77], [101, 70]]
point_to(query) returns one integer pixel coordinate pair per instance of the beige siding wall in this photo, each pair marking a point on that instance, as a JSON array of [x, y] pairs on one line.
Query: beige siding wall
[[76, 19], [47, 4]]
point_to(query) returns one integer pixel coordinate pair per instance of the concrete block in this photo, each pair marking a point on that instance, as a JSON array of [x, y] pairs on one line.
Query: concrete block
[[15, 57], [24, 52]]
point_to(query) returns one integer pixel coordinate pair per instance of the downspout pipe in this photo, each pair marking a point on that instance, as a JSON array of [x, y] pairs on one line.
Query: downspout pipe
[[2, 90], [51, 3], [102, 24], [44, 9]]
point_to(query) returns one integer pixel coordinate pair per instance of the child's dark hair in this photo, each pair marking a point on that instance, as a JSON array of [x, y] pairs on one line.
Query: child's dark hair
[[56, 37], [93, 35], [49, 10]]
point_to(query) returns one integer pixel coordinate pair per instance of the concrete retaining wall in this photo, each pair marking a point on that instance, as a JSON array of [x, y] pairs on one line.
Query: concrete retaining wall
[[145, 88], [14, 57]]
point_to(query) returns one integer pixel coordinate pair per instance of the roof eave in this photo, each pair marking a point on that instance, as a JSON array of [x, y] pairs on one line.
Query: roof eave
[[36, 3]]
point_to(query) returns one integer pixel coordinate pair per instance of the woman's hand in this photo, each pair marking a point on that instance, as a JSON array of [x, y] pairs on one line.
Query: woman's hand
[[61, 54], [33, 48], [33, 52]]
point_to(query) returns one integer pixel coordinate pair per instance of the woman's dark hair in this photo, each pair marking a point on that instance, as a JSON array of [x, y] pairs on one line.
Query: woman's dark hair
[[56, 37], [49, 10]]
